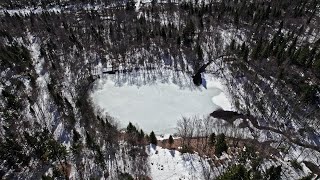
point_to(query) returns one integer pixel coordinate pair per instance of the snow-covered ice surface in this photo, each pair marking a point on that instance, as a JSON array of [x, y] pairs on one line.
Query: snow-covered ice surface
[[157, 104], [168, 164]]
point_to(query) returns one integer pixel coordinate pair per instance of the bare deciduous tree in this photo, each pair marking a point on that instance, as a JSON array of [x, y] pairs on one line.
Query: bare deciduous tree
[[198, 124], [208, 126]]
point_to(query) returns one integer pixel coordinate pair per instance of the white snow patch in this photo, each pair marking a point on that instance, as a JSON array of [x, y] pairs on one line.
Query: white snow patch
[[237, 122], [137, 5], [168, 164]]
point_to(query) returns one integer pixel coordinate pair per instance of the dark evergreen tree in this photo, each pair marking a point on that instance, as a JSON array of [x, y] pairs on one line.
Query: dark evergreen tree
[[273, 173], [141, 135], [188, 33], [235, 172], [131, 128], [153, 138], [130, 5], [178, 41], [233, 45], [244, 52], [171, 141], [221, 145], [212, 139], [199, 53]]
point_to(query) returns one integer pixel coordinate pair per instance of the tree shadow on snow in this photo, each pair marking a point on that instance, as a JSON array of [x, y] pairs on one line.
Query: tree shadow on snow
[[153, 146], [172, 152]]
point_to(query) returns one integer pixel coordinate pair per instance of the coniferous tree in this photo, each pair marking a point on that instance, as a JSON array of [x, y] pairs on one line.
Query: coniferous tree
[[221, 145], [244, 52], [212, 139], [233, 45], [171, 141], [141, 135], [235, 172], [130, 5], [131, 128], [274, 173], [153, 138]]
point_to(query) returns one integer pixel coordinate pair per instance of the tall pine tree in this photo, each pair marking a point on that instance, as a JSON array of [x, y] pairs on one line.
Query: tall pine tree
[[153, 138]]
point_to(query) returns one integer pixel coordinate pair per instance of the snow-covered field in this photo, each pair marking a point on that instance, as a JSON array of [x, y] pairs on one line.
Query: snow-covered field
[[168, 164], [157, 103]]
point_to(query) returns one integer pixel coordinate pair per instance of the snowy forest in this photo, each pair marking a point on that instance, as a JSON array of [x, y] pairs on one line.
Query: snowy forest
[[54, 54]]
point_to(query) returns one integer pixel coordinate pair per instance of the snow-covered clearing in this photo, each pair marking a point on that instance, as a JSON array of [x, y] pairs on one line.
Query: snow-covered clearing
[[168, 164], [159, 102]]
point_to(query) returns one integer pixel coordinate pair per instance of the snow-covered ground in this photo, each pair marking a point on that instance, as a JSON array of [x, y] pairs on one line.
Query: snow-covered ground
[[168, 164], [157, 104]]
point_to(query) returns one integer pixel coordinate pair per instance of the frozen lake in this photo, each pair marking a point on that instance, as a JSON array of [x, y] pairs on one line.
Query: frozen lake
[[156, 102]]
